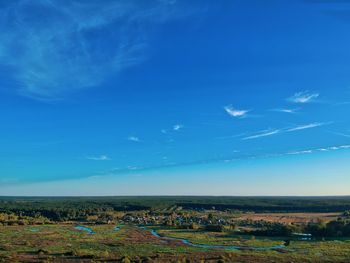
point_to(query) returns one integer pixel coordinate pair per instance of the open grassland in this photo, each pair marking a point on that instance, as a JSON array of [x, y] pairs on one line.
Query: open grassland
[[220, 238], [287, 218], [64, 243], [178, 229]]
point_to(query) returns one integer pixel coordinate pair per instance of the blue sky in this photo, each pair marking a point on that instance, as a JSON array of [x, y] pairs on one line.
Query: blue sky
[[174, 97]]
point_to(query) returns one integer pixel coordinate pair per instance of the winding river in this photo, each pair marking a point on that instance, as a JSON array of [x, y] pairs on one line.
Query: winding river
[[189, 243], [90, 231], [86, 229]]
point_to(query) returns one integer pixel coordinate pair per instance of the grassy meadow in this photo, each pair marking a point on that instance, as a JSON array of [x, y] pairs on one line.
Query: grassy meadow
[[182, 229]]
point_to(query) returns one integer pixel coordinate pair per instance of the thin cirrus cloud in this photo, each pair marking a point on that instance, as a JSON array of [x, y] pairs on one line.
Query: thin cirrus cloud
[[304, 97], [270, 132], [262, 134], [286, 110], [341, 134], [326, 149], [178, 127], [307, 126], [133, 139], [227, 159], [98, 158], [77, 44], [235, 112]]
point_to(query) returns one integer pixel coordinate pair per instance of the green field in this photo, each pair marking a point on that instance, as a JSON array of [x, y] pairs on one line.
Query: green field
[[166, 230], [65, 243]]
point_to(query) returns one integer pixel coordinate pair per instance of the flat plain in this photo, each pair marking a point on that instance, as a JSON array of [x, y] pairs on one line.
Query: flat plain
[[156, 230]]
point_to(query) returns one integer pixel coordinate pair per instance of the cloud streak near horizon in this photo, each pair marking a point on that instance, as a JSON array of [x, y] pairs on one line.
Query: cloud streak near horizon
[[98, 158], [227, 159]]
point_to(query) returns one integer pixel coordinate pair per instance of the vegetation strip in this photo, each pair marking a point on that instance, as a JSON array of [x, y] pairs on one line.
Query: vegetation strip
[[189, 243]]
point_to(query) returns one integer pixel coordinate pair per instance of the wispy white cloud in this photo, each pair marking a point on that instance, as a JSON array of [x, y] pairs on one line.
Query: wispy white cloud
[[178, 127], [134, 168], [77, 44], [292, 111], [324, 149], [271, 132], [341, 134], [301, 152], [98, 158], [344, 147], [235, 112], [303, 97], [306, 126], [134, 139], [226, 159], [232, 136], [262, 134]]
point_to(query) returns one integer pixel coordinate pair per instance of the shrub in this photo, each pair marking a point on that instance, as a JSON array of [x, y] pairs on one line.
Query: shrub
[[214, 228]]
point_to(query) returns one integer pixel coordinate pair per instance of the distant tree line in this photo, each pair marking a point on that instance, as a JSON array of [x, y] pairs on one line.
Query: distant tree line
[[256, 204], [64, 210], [269, 207], [337, 228], [10, 219]]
